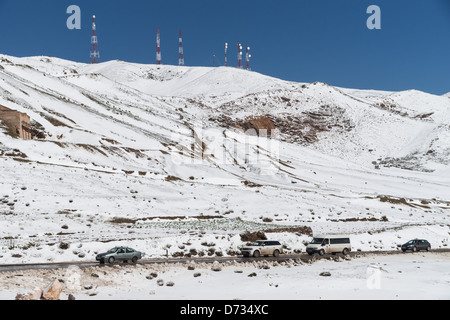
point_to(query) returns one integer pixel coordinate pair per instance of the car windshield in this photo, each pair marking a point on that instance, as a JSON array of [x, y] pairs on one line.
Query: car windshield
[[317, 241], [411, 242]]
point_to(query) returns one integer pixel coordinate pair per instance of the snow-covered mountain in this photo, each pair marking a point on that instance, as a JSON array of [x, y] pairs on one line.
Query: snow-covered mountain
[[133, 152]]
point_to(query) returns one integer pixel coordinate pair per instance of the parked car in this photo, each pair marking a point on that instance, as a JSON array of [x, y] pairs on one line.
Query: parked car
[[262, 248], [329, 244], [416, 245], [124, 254]]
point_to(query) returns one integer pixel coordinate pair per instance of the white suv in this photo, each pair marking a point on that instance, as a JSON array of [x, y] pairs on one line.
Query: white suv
[[262, 248], [329, 244]]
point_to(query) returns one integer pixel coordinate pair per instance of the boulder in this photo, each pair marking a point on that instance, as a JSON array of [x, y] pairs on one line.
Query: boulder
[[53, 291], [36, 294]]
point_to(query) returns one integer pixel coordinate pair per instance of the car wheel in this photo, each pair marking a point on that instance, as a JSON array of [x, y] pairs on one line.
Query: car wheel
[[111, 260], [276, 253], [310, 253], [345, 252], [102, 261], [322, 252], [256, 254], [428, 249], [134, 260], [414, 249]]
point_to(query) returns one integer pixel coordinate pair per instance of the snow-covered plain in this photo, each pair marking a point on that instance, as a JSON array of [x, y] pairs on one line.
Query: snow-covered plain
[[141, 155]]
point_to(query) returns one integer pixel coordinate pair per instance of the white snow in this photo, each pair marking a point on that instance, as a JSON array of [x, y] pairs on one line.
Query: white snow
[[120, 135], [374, 277]]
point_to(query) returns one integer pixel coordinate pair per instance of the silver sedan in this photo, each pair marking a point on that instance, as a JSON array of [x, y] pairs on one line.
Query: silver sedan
[[119, 254]]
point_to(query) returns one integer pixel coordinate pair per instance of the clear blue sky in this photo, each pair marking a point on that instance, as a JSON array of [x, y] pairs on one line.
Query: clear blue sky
[[298, 40]]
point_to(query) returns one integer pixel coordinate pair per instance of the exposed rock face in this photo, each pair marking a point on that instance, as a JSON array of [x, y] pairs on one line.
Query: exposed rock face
[[253, 236], [261, 126], [18, 123], [302, 128]]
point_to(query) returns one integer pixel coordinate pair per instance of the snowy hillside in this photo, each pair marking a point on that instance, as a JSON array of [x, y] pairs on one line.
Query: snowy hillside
[[153, 157]]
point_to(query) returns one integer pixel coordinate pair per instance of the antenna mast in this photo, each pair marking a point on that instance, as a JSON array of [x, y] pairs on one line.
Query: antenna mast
[[181, 53], [226, 54], [95, 53], [247, 57], [239, 56], [158, 47]]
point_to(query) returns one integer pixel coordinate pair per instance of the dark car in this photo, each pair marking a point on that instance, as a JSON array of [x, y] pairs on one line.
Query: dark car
[[119, 254], [416, 245]]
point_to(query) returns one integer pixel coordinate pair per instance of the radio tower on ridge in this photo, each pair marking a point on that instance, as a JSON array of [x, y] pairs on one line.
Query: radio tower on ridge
[[158, 47], [181, 53], [247, 57], [226, 54], [95, 53], [239, 56]]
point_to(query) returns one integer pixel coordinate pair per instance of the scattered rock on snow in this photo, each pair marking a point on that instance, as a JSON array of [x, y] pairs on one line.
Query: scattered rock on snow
[[152, 275], [216, 267], [160, 282], [64, 245]]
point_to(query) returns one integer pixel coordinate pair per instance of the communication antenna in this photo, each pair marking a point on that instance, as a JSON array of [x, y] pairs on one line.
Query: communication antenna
[[247, 57], [181, 53], [239, 56], [95, 53], [226, 54], [158, 47]]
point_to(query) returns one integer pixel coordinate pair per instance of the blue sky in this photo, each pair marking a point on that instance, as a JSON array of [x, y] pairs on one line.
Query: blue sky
[[298, 40]]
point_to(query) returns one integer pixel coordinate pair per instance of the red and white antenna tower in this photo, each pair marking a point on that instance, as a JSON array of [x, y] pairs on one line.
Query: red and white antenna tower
[[158, 47], [181, 53], [95, 53], [247, 57], [239, 56], [226, 54]]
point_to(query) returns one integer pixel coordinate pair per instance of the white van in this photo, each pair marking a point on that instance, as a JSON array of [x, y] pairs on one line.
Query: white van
[[329, 244]]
